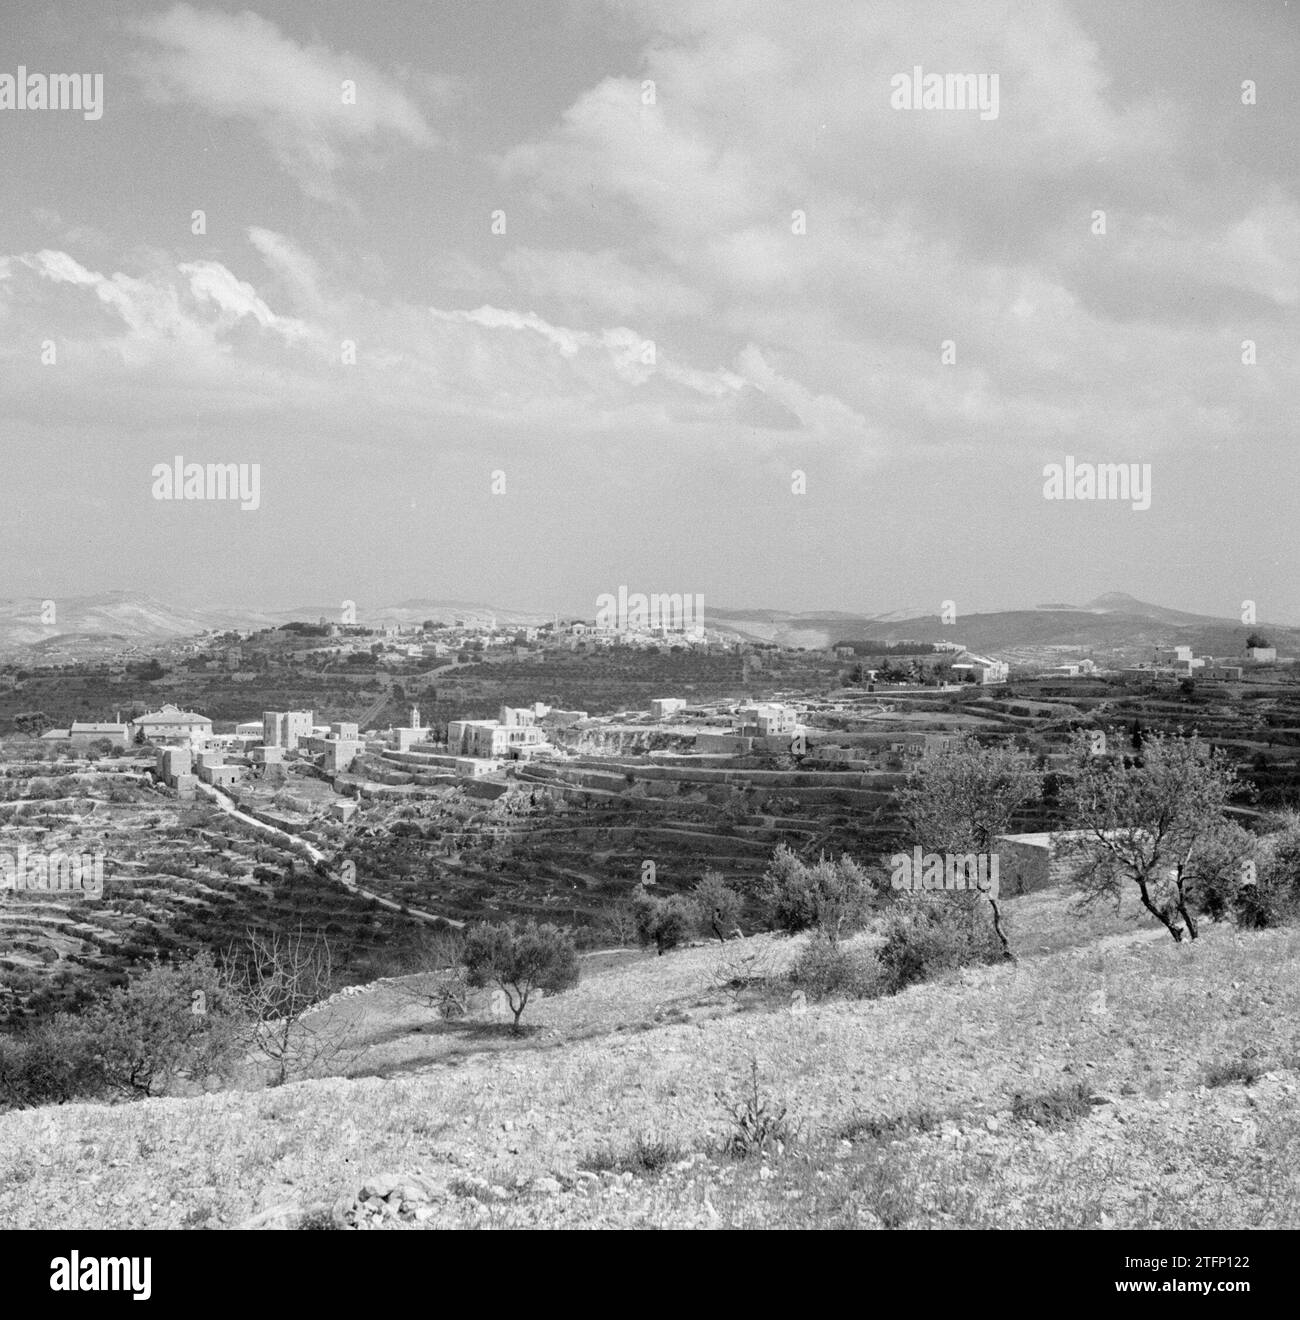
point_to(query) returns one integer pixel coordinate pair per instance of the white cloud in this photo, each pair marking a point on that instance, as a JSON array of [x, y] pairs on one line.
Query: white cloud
[[240, 66]]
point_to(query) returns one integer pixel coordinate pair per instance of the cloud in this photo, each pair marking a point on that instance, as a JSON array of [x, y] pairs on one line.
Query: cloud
[[300, 272], [240, 66], [212, 282]]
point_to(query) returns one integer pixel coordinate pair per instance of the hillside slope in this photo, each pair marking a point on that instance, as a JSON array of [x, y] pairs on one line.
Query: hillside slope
[[923, 1086]]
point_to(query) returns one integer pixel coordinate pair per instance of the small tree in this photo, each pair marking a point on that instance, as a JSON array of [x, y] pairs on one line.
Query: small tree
[[520, 959], [663, 922], [620, 924], [717, 905], [959, 799], [1153, 821]]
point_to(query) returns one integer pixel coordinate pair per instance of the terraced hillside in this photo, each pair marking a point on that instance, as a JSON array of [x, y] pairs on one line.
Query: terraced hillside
[[176, 877]]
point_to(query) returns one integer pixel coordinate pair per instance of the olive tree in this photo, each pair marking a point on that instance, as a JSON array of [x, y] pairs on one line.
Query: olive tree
[[960, 797], [520, 959], [1155, 820]]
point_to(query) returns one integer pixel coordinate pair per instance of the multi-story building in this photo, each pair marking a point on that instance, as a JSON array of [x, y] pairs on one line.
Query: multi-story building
[[764, 720], [283, 728], [491, 738]]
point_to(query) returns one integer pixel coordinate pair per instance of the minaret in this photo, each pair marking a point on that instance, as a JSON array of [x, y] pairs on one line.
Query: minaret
[[415, 717]]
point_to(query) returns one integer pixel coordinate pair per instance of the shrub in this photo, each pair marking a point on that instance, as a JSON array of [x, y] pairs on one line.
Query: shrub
[[663, 922], [834, 897], [885, 1128], [1054, 1108], [647, 1156], [171, 1020], [1216, 874], [53, 1062], [1247, 1069], [926, 934], [1274, 898], [519, 959], [825, 968]]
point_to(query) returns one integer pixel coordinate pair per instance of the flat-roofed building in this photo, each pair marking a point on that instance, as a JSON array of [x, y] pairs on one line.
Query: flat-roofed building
[[662, 707], [84, 733], [764, 720], [283, 728]]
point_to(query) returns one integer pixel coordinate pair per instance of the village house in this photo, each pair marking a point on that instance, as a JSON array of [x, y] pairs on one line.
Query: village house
[[170, 723], [765, 720], [662, 707], [283, 728], [84, 734]]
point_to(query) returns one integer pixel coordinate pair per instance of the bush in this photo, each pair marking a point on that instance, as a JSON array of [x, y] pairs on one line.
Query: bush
[[825, 968], [53, 1062], [520, 958], [1054, 1108], [170, 1021], [926, 934], [663, 922], [647, 1156], [1247, 1069], [834, 897], [1216, 875], [173, 1019], [1274, 898]]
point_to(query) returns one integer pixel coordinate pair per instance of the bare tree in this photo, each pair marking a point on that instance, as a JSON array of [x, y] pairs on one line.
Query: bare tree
[[619, 924], [279, 978]]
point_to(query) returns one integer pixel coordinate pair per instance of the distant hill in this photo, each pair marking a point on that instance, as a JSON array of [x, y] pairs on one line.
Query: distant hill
[[1119, 602], [130, 615], [1114, 622]]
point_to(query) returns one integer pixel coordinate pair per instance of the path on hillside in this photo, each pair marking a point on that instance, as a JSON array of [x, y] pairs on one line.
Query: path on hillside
[[316, 855]]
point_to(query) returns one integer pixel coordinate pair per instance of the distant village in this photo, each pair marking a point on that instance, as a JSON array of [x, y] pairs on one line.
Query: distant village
[[358, 760]]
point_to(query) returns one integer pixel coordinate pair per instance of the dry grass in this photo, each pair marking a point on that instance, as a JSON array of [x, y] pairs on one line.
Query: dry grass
[[924, 1083]]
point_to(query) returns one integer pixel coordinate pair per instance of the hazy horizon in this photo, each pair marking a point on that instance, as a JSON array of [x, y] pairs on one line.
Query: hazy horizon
[[320, 606]]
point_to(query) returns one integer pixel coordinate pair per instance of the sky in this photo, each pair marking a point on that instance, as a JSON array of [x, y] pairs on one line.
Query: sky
[[519, 302]]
